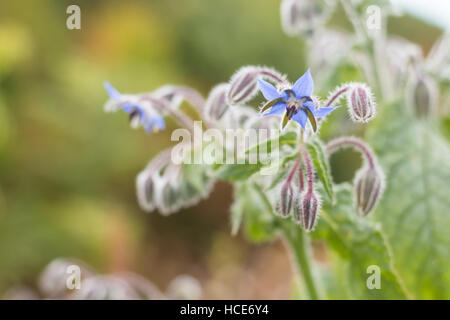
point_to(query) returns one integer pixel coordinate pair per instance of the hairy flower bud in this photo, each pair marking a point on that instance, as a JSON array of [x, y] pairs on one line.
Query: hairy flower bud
[[306, 210], [216, 105], [423, 93], [145, 189], [369, 185], [284, 205], [304, 16], [243, 85], [360, 102]]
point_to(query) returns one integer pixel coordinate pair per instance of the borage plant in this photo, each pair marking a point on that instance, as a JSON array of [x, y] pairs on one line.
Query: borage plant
[[288, 190]]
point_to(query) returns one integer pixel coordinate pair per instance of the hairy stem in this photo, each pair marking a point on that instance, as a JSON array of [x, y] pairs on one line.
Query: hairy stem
[[309, 168], [298, 246], [355, 143], [336, 96], [294, 169], [361, 32], [192, 96]]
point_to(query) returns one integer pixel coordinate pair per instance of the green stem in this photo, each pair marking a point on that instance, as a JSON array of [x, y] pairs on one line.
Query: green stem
[[369, 44], [299, 245]]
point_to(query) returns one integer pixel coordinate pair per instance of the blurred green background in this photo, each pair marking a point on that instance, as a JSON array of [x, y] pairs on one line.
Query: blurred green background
[[67, 169]]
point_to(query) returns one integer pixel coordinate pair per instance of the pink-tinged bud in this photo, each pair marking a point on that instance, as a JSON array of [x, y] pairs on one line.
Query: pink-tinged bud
[[360, 102], [369, 185], [243, 85], [216, 105], [285, 202], [306, 210]]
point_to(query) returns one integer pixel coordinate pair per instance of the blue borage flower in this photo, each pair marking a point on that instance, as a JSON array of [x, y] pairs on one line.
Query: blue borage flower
[[296, 103], [149, 119]]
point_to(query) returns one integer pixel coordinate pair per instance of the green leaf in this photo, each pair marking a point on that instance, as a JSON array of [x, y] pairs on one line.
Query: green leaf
[[287, 138], [322, 167], [251, 207], [414, 210], [359, 244], [237, 172]]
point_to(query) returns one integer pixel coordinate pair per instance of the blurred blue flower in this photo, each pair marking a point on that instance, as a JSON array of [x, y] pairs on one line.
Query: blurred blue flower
[[149, 120], [295, 102]]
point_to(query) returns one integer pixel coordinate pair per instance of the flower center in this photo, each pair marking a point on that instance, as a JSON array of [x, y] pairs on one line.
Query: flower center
[[293, 104]]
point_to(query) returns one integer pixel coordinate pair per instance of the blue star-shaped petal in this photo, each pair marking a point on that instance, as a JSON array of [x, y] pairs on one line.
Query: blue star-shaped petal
[[295, 103], [148, 121]]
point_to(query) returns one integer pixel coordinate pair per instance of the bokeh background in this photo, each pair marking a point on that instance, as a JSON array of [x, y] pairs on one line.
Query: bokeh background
[[67, 169]]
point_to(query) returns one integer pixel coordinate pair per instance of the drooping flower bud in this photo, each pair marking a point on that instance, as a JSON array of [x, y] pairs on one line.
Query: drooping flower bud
[[216, 105], [305, 212], [360, 102], [149, 180], [290, 17], [243, 85], [145, 189], [304, 16], [284, 205], [423, 93], [369, 185]]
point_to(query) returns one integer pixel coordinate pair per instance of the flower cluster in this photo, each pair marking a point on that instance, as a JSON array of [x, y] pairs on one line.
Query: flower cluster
[[290, 201], [168, 187]]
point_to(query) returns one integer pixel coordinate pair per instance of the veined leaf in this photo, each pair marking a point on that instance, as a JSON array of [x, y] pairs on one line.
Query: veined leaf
[[359, 244], [415, 208]]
